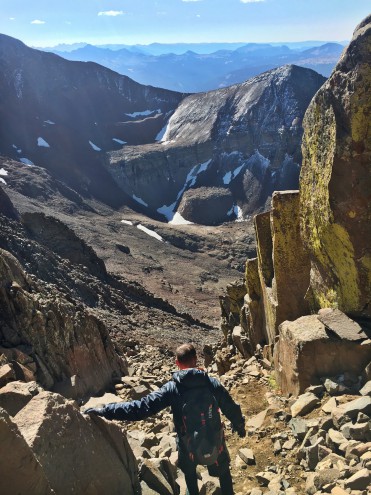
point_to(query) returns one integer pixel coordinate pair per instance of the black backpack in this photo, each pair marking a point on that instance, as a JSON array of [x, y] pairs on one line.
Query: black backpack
[[202, 430]]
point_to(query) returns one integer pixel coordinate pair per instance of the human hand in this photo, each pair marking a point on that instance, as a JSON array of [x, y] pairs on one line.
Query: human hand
[[240, 430], [98, 411]]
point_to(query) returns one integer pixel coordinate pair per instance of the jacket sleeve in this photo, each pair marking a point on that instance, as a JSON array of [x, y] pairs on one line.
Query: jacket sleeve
[[229, 408], [139, 409]]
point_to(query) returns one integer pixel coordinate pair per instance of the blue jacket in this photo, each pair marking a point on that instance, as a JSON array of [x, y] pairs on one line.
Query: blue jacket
[[169, 395]]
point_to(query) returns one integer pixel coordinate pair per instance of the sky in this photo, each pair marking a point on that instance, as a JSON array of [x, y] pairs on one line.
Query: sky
[[50, 22]]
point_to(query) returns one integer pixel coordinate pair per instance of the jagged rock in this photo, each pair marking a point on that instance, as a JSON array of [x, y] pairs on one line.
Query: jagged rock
[[15, 395], [151, 473], [336, 156], [330, 405], [298, 427], [257, 421], [62, 440], [358, 431], [20, 471], [319, 480], [338, 416], [353, 408], [247, 456], [366, 389], [138, 392], [7, 374], [6, 206], [67, 340], [209, 486], [304, 405], [335, 438], [334, 388], [206, 206], [231, 304], [360, 480], [241, 342], [305, 351]]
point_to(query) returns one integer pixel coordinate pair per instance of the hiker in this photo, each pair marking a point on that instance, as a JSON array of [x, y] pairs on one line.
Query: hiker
[[194, 398]]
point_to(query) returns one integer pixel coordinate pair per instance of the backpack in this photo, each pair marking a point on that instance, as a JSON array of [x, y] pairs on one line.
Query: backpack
[[202, 431]]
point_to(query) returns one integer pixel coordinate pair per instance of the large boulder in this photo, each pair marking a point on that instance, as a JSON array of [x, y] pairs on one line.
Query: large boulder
[[15, 395], [307, 351], [335, 182], [20, 471], [78, 454], [207, 205]]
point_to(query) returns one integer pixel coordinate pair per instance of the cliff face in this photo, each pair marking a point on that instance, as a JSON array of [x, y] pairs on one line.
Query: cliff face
[[335, 182], [245, 138], [64, 115], [56, 341]]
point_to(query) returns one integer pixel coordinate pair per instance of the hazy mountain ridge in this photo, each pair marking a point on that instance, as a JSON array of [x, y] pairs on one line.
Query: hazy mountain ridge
[[192, 71]]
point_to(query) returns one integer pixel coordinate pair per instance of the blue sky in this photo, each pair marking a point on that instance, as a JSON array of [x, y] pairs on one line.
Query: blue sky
[[49, 22]]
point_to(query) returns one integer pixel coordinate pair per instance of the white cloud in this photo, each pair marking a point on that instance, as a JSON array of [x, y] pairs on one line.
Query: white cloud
[[111, 13], [251, 1], [11, 18], [37, 21], [191, 0]]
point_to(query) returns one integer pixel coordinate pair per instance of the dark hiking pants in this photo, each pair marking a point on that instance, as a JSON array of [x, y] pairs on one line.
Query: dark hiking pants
[[220, 469]]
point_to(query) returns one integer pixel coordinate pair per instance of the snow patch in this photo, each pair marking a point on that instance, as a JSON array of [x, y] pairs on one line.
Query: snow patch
[[119, 141], [139, 200], [150, 232], [41, 142], [179, 220], [94, 146], [3, 171], [2, 181], [50, 122], [161, 134], [145, 113], [238, 213], [17, 149], [167, 211], [127, 222], [26, 161], [229, 176]]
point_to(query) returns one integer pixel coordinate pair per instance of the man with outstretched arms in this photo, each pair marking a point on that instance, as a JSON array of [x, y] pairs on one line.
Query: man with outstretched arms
[[195, 399]]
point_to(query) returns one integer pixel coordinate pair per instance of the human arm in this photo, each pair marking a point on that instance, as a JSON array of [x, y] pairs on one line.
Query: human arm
[[229, 407], [135, 410]]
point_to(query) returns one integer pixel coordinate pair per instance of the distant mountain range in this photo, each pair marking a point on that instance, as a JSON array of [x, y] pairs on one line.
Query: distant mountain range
[[193, 68]]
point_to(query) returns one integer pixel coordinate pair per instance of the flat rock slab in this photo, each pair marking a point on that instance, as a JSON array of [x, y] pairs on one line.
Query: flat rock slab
[[338, 322], [304, 405], [101, 401], [257, 420]]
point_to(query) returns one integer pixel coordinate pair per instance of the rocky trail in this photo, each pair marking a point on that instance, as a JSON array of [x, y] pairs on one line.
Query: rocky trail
[[317, 443]]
